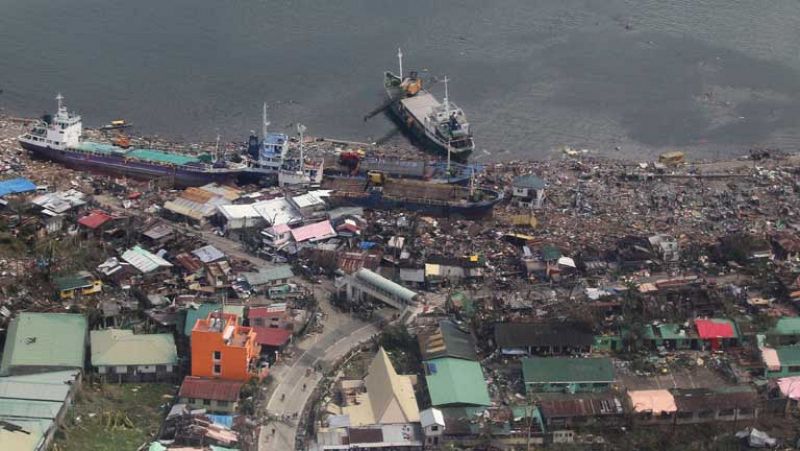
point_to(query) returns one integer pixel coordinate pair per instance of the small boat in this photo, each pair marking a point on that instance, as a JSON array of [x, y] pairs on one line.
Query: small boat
[[116, 125]]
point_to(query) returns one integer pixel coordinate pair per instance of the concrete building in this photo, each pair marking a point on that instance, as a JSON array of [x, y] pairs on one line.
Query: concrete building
[[528, 191], [223, 349], [121, 356], [365, 285]]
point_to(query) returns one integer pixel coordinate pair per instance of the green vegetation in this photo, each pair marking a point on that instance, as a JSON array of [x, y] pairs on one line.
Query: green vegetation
[[114, 417]]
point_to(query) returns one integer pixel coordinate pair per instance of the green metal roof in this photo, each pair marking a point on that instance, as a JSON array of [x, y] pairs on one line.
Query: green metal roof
[[789, 355], [565, 369], [114, 347], [73, 282], [456, 382], [56, 340], [162, 157], [787, 326], [668, 331]]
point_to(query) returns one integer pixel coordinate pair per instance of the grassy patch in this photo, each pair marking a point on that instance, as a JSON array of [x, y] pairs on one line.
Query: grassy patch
[[114, 417]]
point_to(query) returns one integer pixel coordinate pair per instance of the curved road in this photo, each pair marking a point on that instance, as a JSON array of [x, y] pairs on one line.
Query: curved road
[[341, 333]]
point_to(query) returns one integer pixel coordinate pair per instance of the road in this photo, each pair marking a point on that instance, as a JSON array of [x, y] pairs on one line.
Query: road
[[341, 333]]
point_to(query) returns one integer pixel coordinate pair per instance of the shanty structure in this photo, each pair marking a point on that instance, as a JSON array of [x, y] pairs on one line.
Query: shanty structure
[[145, 261]]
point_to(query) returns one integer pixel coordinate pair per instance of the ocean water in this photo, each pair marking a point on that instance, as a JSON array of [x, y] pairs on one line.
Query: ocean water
[[621, 78]]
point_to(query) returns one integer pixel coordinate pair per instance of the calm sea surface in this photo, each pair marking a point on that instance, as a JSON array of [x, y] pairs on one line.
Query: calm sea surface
[[713, 77]]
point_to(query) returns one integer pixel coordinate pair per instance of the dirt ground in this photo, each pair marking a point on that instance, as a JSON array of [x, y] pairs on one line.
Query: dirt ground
[[114, 417]]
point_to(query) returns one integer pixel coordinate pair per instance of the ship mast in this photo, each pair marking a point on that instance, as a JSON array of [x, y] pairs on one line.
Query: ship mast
[[216, 151], [446, 98], [59, 98], [400, 59], [301, 129], [265, 123]]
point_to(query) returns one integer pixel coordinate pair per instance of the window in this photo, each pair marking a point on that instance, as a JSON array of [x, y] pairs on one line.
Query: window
[[217, 355], [206, 402], [222, 403], [726, 413], [434, 428], [706, 414], [685, 414], [217, 369], [192, 400], [747, 411], [161, 368], [794, 368]]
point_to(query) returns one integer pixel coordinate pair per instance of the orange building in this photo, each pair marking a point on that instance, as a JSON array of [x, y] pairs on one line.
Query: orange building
[[223, 349]]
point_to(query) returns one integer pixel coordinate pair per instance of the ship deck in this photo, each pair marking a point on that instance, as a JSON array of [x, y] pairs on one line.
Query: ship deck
[[402, 189], [421, 105]]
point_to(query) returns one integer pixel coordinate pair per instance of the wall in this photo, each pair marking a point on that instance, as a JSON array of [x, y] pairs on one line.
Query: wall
[[212, 406], [233, 362]]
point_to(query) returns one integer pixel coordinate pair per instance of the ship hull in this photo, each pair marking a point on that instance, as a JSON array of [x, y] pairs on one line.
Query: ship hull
[[378, 202], [412, 126], [179, 176]]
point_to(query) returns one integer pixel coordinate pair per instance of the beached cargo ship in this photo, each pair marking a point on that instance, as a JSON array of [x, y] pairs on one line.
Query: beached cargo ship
[[440, 126], [432, 199], [60, 139]]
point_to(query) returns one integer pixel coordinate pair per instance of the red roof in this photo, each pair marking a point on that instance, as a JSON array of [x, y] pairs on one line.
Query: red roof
[[710, 328], [95, 219], [215, 389], [272, 336]]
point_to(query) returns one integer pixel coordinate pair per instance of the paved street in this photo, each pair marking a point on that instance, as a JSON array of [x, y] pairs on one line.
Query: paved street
[[341, 333]]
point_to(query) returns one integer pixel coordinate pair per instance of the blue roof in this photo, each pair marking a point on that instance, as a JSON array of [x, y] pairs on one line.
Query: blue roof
[[17, 185]]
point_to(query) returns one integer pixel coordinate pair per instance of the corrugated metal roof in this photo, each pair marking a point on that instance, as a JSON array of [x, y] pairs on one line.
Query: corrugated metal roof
[[314, 232], [272, 336], [208, 254], [26, 388], [267, 275], [715, 328], [16, 186], [114, 347], [95, 219], [385, 284], [456, 382], [391, 395], [238, 211], [46, 340], [144, 260], [215, 389], [276, 211], [566, 369]]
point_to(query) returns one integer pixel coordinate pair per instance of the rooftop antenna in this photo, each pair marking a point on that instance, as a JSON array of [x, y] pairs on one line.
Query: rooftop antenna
[[265, 122], [216, 151], [400, 59], [59, 98]]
